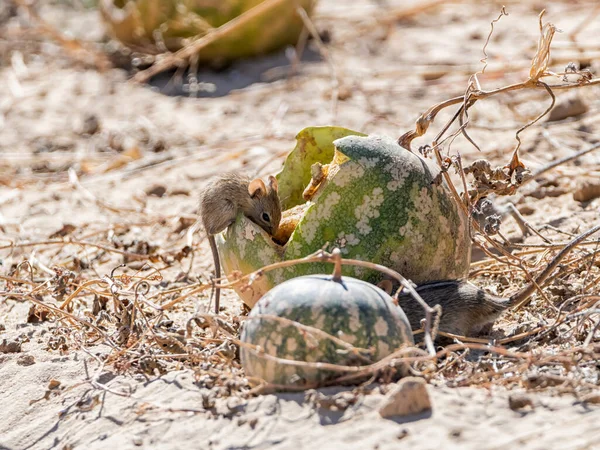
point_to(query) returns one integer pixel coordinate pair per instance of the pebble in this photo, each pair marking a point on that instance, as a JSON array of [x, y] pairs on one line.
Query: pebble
[[408, 397]]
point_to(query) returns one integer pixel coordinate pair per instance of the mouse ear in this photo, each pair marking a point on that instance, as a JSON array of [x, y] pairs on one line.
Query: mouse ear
[[385, 285], [273, 183], [257, 188]]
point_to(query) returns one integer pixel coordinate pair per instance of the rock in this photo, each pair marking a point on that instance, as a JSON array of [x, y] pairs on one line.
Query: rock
[[402, 434], [37, 314], [586, 191], [66, 229], [183, 223], [90, 124], [25, 360], [156, 191], [408, 397], [569, 106], [180, 191], [518, 402], [10, 346]]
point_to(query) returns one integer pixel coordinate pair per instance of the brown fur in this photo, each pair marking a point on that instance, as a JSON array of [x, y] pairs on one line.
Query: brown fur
[[231, 193], [465, 307]]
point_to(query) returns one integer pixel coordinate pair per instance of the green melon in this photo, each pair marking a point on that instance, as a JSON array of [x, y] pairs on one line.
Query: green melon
[[352, 310], [379, 203], [151, 25]]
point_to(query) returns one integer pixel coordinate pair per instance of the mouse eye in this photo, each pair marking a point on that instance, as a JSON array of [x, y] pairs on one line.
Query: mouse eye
[[266, 217]]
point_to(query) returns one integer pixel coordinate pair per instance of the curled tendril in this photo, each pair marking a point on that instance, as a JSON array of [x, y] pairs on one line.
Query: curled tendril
[[141, 288], [29, 269], [157, 276], [112, 272]]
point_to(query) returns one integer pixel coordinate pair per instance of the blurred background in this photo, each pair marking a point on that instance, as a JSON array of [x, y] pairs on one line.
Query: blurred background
[[95, 147]]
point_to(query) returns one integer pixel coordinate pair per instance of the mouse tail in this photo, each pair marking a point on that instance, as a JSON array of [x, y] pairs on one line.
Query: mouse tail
[[215, 252]]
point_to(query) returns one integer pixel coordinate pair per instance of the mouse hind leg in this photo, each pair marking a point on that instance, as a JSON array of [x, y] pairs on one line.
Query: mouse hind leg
[[218, 216], [483, 330]]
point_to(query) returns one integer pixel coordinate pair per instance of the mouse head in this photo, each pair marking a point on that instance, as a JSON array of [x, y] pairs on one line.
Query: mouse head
[[265, 210]]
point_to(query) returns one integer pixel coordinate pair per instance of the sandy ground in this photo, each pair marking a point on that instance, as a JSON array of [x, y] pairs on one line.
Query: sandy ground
[[166, 413], [387, 76], [172, 412]]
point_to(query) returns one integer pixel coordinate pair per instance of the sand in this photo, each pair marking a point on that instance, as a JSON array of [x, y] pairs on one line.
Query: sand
[[167, 412]]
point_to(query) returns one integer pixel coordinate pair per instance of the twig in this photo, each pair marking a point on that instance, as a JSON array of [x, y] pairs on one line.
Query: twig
[[408, 11], [133, 256], [335, 82], [564, 160], [322, 256]]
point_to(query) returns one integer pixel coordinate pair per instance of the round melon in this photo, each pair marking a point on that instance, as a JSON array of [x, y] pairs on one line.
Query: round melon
[[379, 203], [349, 309]]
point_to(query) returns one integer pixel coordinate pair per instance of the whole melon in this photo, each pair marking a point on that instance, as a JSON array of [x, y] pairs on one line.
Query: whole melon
[[379, 202], [352, 310]]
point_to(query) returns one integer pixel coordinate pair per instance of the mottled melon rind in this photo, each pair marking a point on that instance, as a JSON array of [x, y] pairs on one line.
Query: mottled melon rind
[[382, 206], [354, 311]]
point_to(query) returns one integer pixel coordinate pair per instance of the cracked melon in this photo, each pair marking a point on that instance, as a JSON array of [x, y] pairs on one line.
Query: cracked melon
[[351, 310], [376, 202]]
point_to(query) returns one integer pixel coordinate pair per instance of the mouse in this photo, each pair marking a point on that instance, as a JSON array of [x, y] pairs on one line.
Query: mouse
[[467, 308], [228, 195]]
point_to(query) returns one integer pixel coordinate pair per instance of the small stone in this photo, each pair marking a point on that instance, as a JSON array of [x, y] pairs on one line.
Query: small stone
[[456, 433], [569, 106], [591, 398], [158, 145], [402, 434], [25, 360], [526, 210], [586, 191], [408, 397], [156, 191], [90, 125], [37, 314], [520, 402], [183, 223], [66, 229], [10, 346]]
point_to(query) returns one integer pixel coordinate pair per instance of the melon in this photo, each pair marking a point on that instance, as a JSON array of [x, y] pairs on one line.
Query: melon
[[149, 26], [349, 309], [378, 202]]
